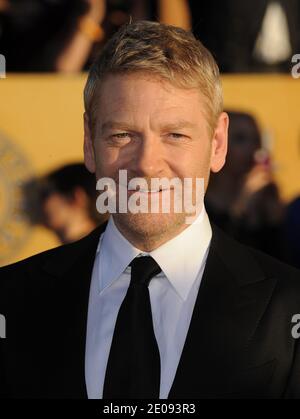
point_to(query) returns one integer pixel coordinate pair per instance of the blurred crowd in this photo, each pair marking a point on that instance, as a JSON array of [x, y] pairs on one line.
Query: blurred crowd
[[63, 35]]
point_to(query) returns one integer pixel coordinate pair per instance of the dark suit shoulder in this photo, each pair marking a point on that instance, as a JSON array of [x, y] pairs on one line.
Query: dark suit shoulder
[[34, 274], [274, 266], [26, 280], [33, 262], [55, 256], [287, 288], [249, 263]]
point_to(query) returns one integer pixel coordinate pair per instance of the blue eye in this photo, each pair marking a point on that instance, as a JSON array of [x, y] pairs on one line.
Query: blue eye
[[176, 135], [121, 135]]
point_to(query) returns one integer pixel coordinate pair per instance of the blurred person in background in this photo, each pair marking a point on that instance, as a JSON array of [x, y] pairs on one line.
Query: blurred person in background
[[67, 202], [64, 35], [293, 232], [244, 199], [88, 35], [49, 35], [249, 36], [244, 36], [111, 15], [105, 17]]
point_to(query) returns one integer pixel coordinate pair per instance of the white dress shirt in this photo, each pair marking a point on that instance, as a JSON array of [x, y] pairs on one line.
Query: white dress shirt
[[173, 294]]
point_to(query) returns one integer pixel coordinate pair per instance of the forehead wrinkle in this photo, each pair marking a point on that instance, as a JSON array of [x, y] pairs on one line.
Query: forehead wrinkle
[[127, 111]]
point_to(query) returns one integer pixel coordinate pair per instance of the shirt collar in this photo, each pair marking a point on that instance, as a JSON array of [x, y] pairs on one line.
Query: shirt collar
[[190, 248]]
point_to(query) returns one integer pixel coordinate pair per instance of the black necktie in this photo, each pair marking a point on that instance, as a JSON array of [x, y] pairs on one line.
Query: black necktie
[[133, 368]]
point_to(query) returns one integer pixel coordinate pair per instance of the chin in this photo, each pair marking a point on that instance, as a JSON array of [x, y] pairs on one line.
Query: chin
[[149, 226]]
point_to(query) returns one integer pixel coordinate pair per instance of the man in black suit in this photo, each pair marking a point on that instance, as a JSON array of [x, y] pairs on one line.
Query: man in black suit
[[154, 304]]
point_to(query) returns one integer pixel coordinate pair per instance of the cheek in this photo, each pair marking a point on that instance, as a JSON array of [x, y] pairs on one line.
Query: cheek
[[194, 162], [106, 159]]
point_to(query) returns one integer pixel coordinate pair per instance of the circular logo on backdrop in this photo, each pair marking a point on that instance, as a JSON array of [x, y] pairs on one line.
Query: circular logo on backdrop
[[14, 227]]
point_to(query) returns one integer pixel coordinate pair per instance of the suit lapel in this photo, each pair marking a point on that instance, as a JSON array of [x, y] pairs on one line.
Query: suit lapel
[[73, 272], [230, 303]]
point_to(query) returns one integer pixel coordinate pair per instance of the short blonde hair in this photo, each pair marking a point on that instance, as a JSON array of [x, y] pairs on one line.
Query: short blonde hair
[[168, 52]]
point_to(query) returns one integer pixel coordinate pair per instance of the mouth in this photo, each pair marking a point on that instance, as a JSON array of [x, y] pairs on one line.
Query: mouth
[[140, 191], [147, 191]]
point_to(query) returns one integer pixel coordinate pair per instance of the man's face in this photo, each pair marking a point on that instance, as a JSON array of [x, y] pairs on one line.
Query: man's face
[[153, 129]]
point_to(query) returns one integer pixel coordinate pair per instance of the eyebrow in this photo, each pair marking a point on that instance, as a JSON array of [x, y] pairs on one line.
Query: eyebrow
[[181, 124], [114, 125]]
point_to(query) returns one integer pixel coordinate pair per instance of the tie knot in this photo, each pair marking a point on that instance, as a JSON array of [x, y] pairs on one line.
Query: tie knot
[[143, 269]]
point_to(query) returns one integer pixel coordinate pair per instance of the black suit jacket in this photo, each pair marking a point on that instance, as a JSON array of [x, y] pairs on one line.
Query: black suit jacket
[[239, 343]]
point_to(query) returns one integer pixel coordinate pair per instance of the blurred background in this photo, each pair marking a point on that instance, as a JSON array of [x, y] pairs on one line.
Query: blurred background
[[46, 47]]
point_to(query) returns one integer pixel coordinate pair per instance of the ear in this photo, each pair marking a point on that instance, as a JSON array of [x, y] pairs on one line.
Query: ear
[[88, 149], [220, 143]]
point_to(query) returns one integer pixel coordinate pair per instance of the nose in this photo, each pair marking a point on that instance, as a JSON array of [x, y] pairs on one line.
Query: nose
[[148, 160]]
